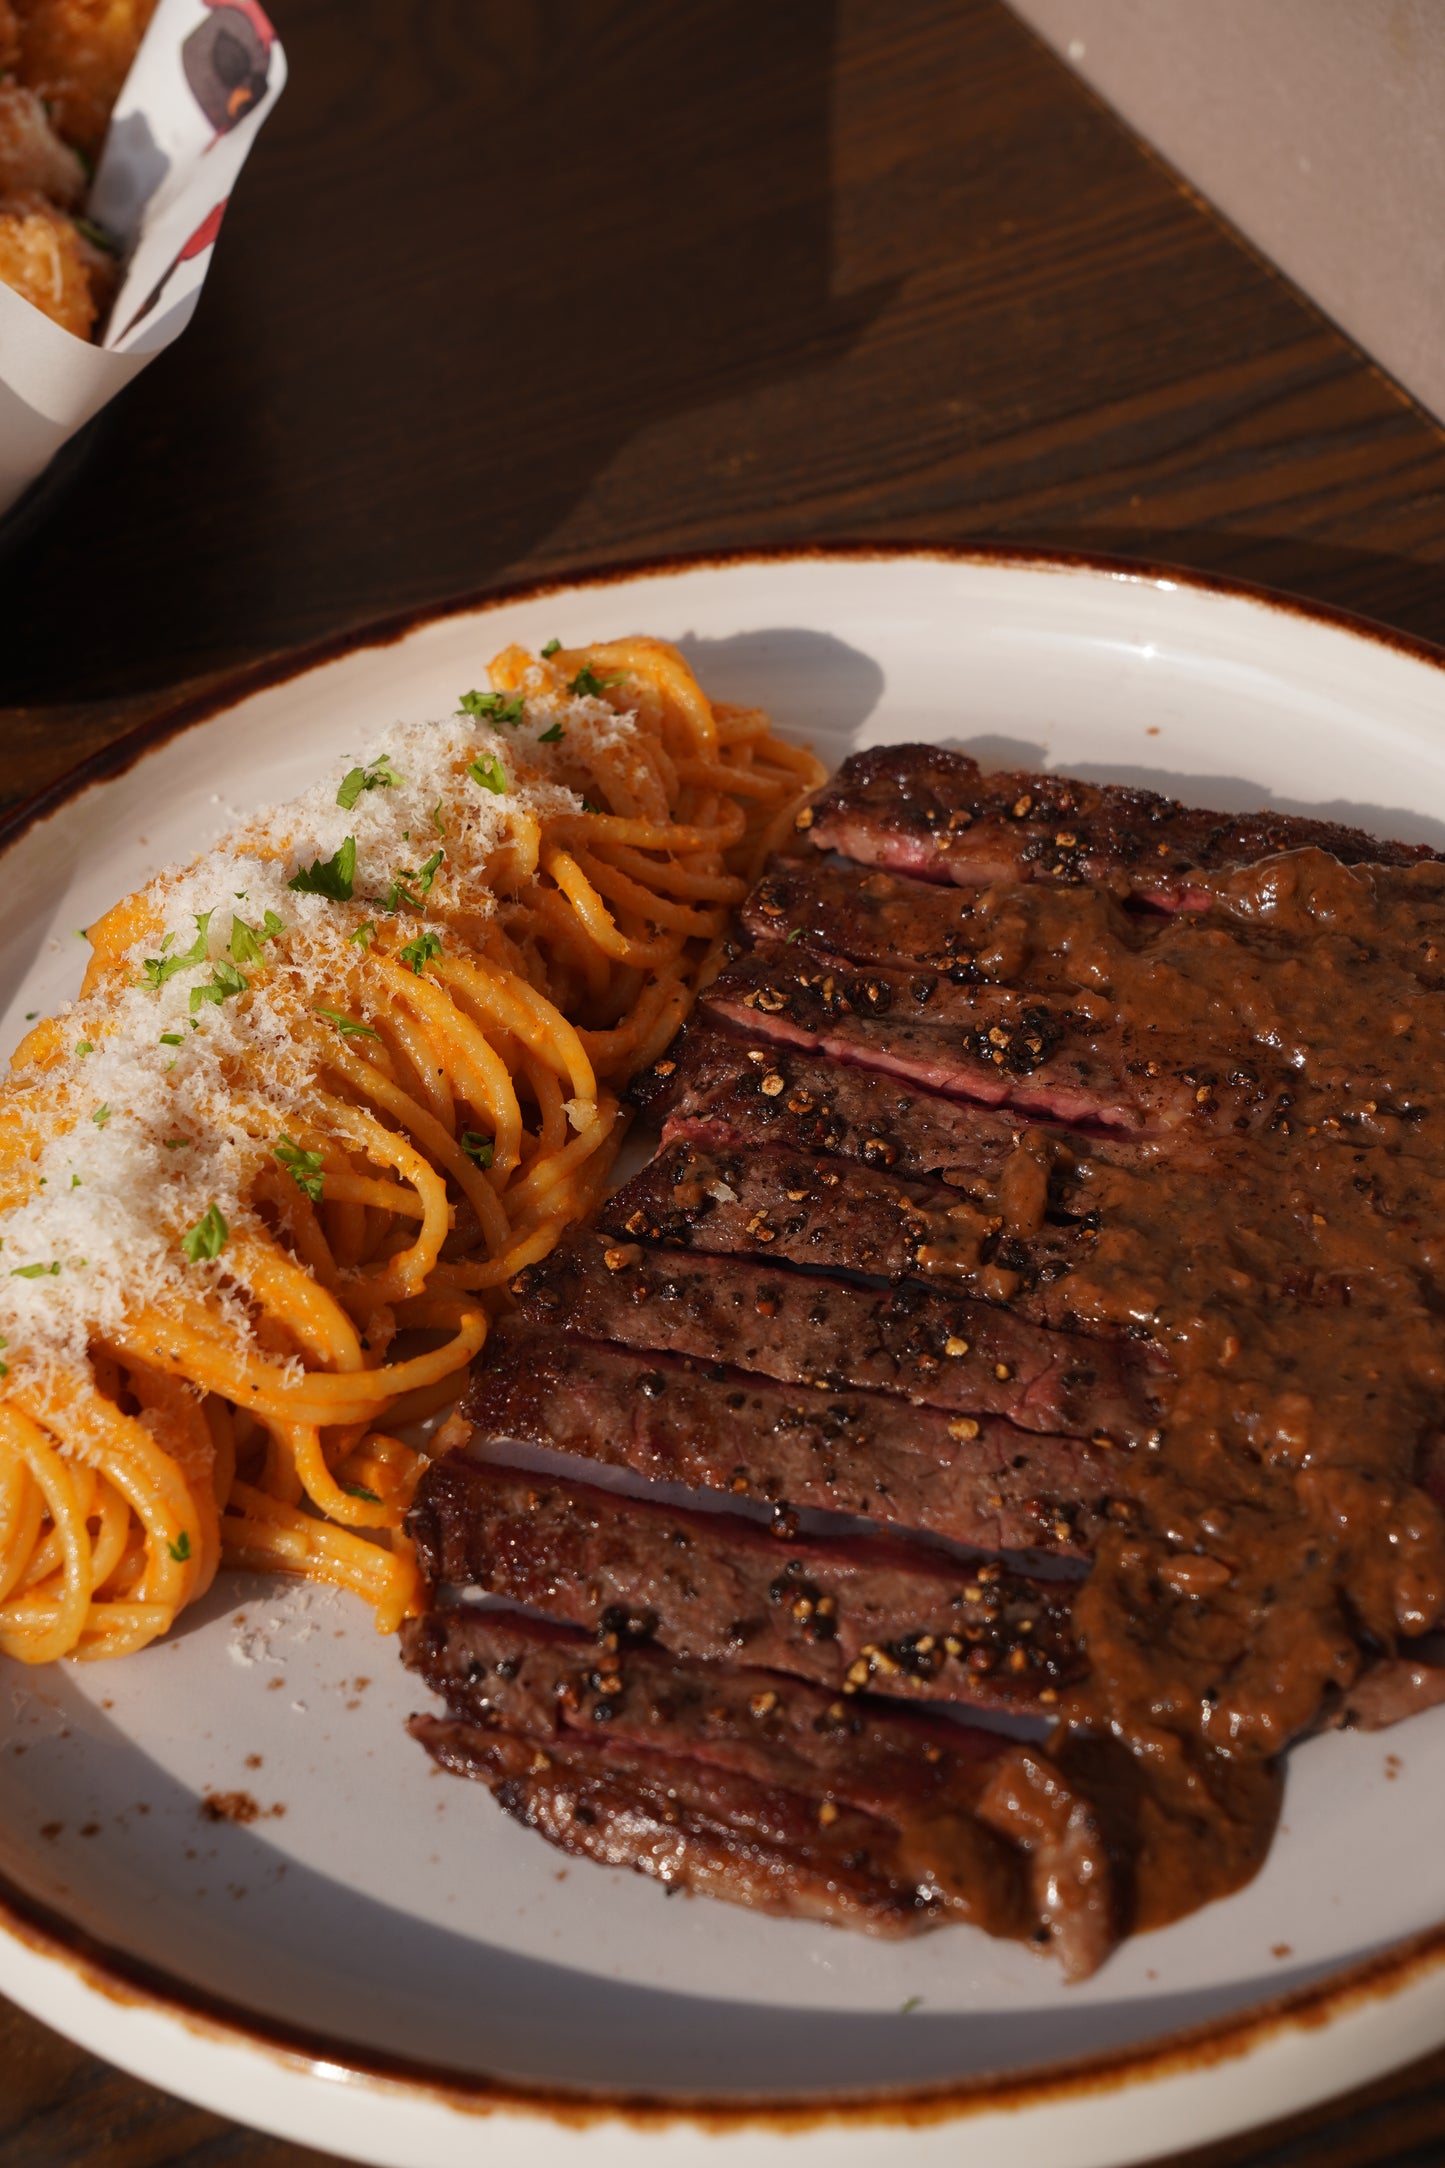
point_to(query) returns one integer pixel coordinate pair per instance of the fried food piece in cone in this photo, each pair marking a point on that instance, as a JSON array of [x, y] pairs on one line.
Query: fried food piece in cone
[[75, 54], [33, 160], [48, 260]]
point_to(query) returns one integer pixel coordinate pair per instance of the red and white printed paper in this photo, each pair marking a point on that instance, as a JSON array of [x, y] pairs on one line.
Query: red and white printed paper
[[207, 74]]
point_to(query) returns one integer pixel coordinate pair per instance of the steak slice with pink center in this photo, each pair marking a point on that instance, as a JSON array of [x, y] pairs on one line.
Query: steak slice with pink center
[[903, 1619], [934, 813], [778, 1764], [812, 1329], [971, 1480]]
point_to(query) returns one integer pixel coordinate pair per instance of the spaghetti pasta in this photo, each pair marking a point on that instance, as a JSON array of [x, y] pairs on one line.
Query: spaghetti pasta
[[262, 1190]]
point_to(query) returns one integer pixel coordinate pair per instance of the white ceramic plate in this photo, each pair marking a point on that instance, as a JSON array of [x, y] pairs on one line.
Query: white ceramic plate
[[380, 1963]]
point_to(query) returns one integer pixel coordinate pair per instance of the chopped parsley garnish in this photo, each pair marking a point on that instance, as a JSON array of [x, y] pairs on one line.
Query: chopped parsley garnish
[[207, 1238], [347, 1025], [912, 2003], [96, 235], [436, 818], [488, 771], [476, 1146], [34, 1272], [4, 1366], [795, 935], [246, 940], [379, 775], [30, 1015], [554, 736], [331, 877], [365, 933], [75, 1181], [551, 649], [180, 1550], [306, 1169], [101, 1116], [587, 681], [178, 1144], [158, 969], [419, 953], [224, 981], [589, 807], [413, 888], [359, 1490], [83, 1046], [171, 1038], [494, 707]]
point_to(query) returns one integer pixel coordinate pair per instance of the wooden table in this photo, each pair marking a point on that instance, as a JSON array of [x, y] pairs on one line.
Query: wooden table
[[508, 290]]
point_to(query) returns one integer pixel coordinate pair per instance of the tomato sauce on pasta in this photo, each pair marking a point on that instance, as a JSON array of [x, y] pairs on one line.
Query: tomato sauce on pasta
[[256, 1222]]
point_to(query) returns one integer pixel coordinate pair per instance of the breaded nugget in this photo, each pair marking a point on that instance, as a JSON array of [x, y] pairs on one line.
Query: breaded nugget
[[33, 160], [45, 257], [76, 54]]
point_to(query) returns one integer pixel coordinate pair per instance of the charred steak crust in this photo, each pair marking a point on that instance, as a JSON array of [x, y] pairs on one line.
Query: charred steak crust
[[934, 813], [807, 1209], [785, 1761], [974, 1481], [848, 1613], [937, 1350], [717, 1084], [688, 1828], [1046, 1057]]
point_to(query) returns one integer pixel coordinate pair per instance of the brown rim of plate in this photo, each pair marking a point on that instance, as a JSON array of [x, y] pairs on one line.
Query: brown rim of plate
[[120, 1977]]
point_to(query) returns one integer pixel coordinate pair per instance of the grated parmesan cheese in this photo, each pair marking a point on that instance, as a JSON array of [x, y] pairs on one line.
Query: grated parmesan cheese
[[138, 1136]]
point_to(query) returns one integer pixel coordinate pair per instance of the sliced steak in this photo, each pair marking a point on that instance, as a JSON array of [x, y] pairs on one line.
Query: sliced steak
[[1387, 1692], [716, 1085], [935, 814], [938, 1350], [1045, 940], [932, 1783], [844, 1612], [690, 1827], [543, 1680], [1066, 1059], [1272, 971], [1038, 937], [972, 1480], [803, 1208]]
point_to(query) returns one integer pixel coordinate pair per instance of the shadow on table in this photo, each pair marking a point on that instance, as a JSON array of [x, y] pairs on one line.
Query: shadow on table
[[478, 251]]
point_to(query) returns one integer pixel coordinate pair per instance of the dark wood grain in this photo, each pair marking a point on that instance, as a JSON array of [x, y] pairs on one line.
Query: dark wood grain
[[508, 289]]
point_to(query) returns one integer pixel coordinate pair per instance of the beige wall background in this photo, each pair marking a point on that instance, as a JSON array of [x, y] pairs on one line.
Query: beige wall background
[[1316, 126]]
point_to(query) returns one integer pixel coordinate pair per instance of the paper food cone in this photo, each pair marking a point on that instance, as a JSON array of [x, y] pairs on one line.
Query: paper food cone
[[207, 74]]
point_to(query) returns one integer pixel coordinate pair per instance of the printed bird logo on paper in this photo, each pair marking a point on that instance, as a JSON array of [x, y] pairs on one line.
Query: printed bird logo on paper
[[227, 64], [227, 61]]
